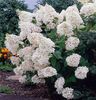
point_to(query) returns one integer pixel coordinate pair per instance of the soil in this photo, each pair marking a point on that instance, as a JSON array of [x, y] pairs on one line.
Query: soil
[[21, 91]]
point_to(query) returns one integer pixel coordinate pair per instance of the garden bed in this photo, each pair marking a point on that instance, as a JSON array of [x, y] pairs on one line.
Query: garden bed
[[19, 90]]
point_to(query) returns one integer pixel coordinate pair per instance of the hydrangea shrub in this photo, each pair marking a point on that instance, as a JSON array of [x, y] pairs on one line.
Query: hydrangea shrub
[[47, 48]]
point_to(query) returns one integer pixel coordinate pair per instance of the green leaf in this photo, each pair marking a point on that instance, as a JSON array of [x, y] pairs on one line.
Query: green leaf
[[52, 35], [71, 79], [53, 61], [84, 62], [58, 55], [34, 21], [61, 42]]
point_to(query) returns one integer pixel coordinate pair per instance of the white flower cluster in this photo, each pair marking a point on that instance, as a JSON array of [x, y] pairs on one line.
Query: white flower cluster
[[88, 9], [42, 54], [72, 20], [65, 29], [25, 16], [12, 43], [15, 60], [35, 79], [62, 16], [26, 25], [72, 43], [81, 72], [22, 79], [84, 1], [68, 93], [47, 72], [26, 28], [73, 60], [46, 15], [73, 16], [59, 84]]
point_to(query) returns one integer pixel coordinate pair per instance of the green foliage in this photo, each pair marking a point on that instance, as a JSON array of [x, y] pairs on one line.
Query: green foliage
[[87, 36], [5, 89], [58, 59], [8, 16], [6, 67], [2, 39], [57, 54], [71, 79], [84, 95], [87, 47], [93, 69], [77, 95], [61, 4], [90, 22]]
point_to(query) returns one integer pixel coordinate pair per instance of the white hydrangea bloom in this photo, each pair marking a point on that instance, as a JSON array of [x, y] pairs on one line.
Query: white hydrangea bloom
[[88, 9], [81, 72], [22, 79], [47, 72], [73, 60], [65, 28], [84, 1], [27, 65], [40, 59], [46, 15], [34, 38], [72, 43], [35, 79], [25, 16], [45, 48], [27, 27], [12, 43], [59, 84], [72, 8], [62, 16], [15, 60], [73, 17], [68, 93], [18, 71], [28, 50]]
